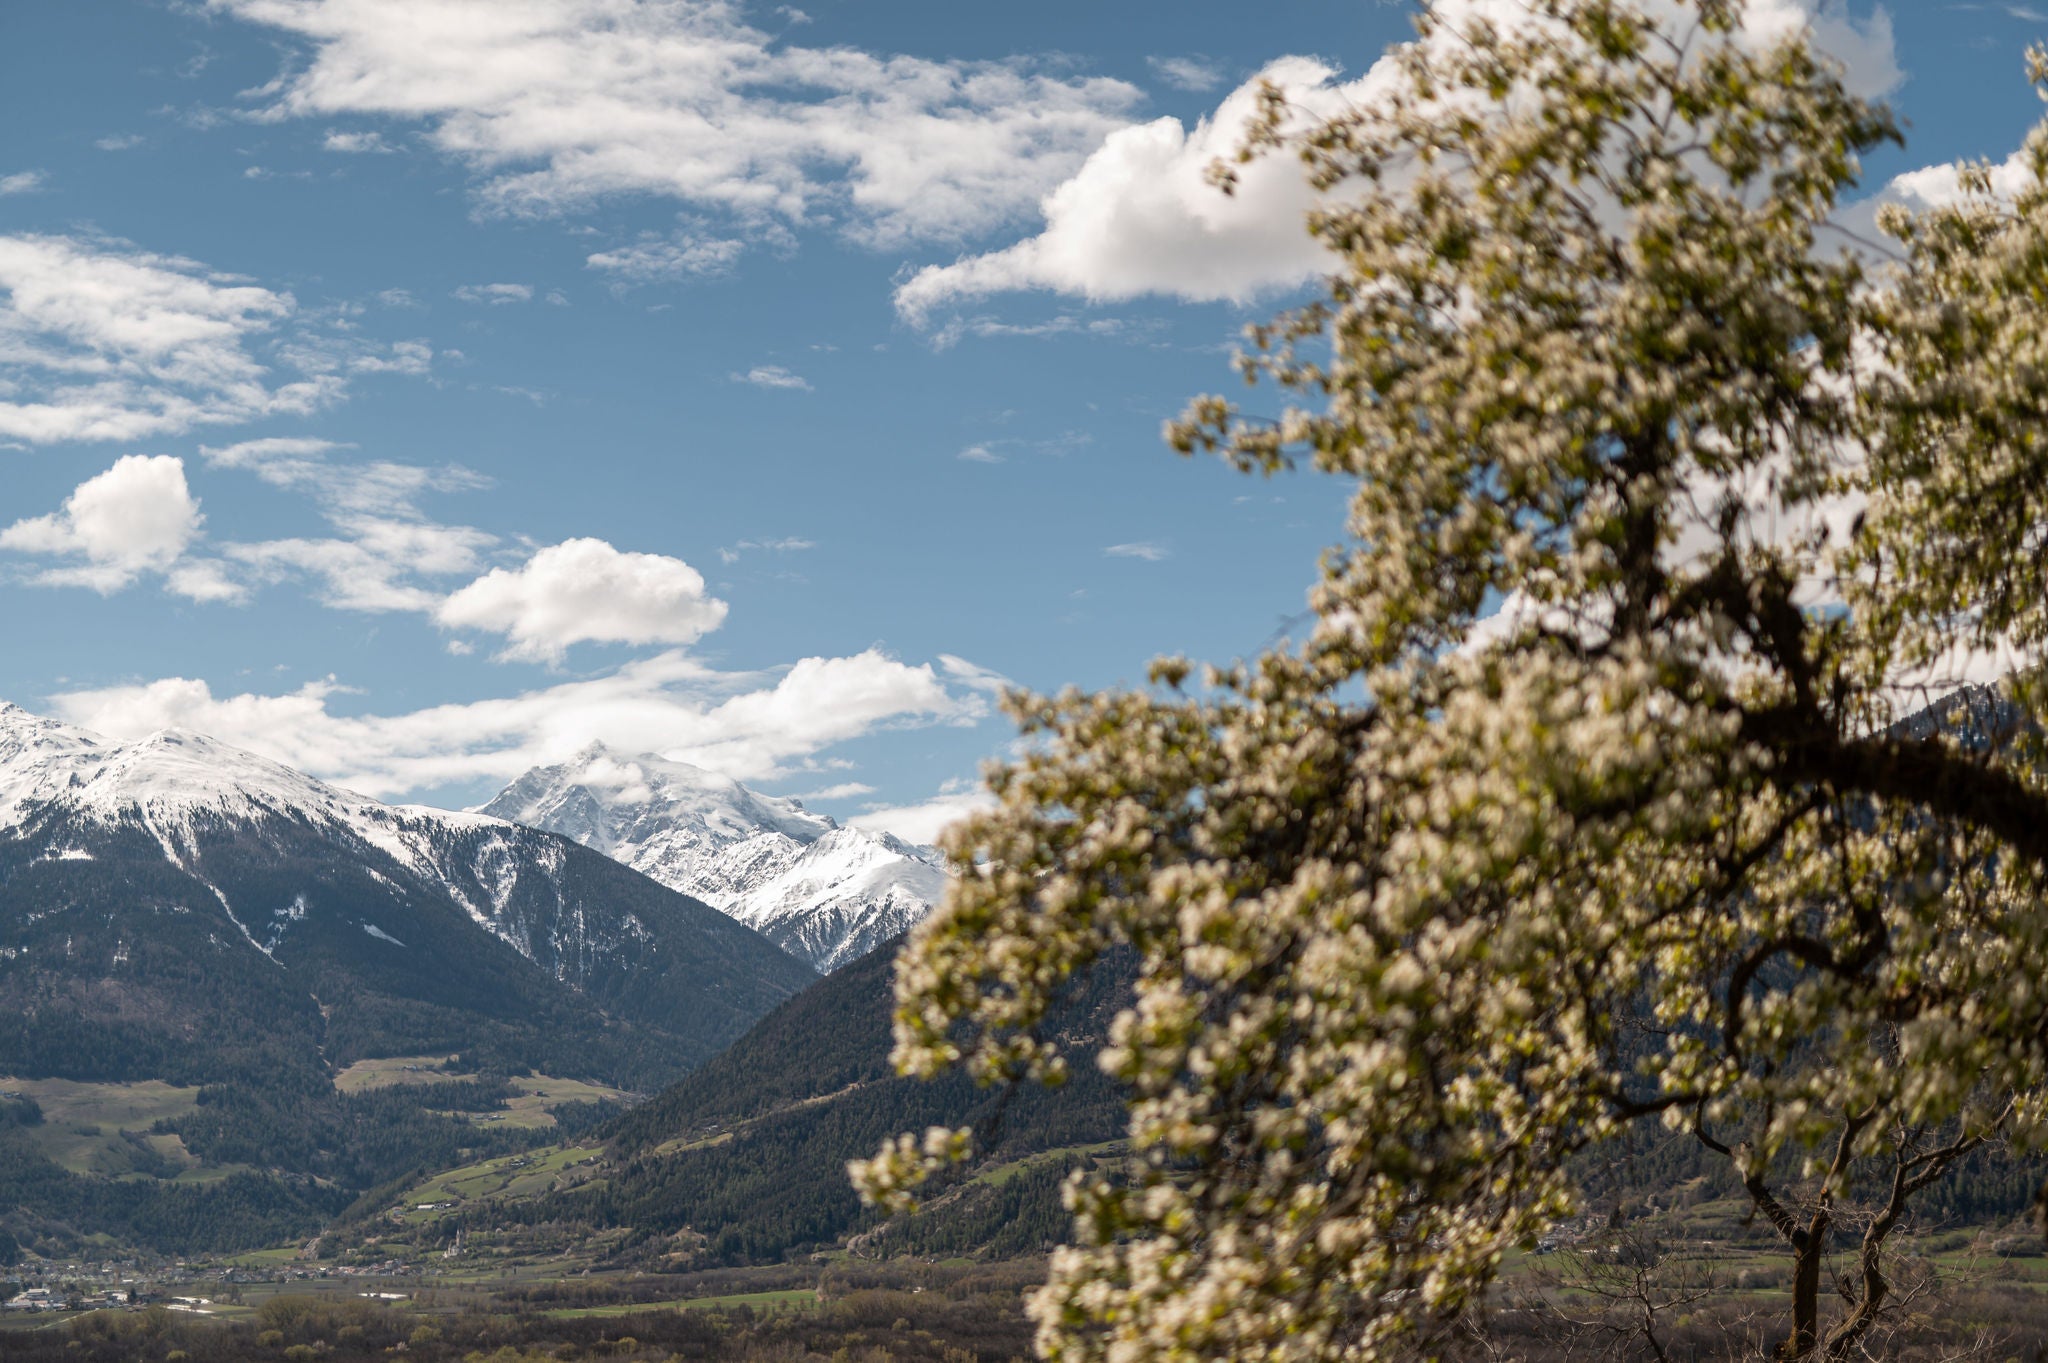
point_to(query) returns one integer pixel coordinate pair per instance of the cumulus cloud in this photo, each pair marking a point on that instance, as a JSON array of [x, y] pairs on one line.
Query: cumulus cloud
[[557, 103], [1139, 216], [584, 590], [1942, 186], [136, 517], [979, 454], [773, 376], [23, 182], [494, 294], [669, 260], [750, 727]]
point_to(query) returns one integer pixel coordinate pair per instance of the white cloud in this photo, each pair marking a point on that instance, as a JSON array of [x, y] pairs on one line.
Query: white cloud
[[494, 294], [670, 259], [788, 544], [749, 727], [557, 103], [136, 517], [204, 580], [845, 790], [357, 143], [401, 357], [979, 454], [584, 590], [1942, 186], [1144, 549], [119, 141], [384, 543], [1139, 217], [140, 515], [378, 486], [773, 376], [922, 822], [1197, 74], [1065, 324], [24, 182], [107, 342], [974, 676]]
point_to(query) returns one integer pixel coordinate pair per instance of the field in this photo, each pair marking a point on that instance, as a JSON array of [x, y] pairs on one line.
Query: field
[[536, 1095], [397, 1069], [792, 1298], [997, 1175], [539, 1094], [523, 1175], [104, 1128]]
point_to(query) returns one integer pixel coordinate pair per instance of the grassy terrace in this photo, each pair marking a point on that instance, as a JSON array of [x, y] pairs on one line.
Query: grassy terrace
[[104, 1128], [506, 1176]]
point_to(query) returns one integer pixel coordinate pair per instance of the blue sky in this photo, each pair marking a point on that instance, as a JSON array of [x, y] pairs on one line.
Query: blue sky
[[418, 389]]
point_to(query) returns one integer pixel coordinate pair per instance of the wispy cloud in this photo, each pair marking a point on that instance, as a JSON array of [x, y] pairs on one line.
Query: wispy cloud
[[979, 454], [1197, 74], [24, 182], [493, 294], [357, 143], [385, 553], [924, 821], [668, 260], [558, 104], [110, 342], [773, 376], [1144, 549], [787, 545], [845, 790]]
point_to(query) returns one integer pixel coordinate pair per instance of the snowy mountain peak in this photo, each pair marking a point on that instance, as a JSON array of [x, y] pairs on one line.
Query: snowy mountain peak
[[43, 762], [825, 893], [617, 803]]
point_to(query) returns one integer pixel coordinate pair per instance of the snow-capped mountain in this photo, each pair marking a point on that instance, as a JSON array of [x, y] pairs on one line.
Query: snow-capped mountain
[[826, 894], [149, 890]]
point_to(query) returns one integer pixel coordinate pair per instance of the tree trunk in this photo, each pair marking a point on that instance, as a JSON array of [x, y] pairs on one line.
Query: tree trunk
[[1808, 1247]]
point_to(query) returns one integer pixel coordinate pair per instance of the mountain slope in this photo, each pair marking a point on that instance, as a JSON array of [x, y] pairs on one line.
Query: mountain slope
[[178, 911], [113, 855], [744, 1159], [828, 895]]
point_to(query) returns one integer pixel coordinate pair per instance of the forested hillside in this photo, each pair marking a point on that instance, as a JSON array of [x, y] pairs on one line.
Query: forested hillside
[[744, 1161]]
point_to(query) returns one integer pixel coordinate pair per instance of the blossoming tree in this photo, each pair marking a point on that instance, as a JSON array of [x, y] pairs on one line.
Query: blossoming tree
[[1587, 801]]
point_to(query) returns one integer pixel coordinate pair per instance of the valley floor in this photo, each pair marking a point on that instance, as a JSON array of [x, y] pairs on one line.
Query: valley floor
[[1967, 1292]]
